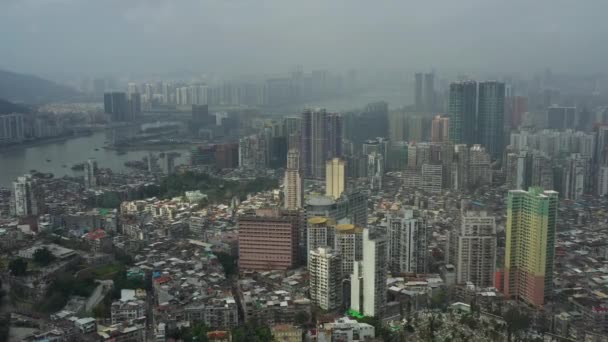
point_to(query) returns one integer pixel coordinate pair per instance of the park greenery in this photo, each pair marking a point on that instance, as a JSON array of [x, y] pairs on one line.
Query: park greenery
[[43, 257], [217, 189], [228, 263], [18, 267]]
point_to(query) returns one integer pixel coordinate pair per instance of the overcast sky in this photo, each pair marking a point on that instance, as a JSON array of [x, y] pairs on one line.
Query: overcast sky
[[248, 36]]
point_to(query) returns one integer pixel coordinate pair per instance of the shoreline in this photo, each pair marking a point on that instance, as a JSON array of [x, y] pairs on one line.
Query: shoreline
[[53, 140], [44, 141]]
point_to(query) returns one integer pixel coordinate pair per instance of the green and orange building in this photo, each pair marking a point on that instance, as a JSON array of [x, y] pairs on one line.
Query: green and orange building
[[530, 245]]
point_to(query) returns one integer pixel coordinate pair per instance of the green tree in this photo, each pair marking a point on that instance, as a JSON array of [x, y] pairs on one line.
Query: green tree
[[18, 267], [228, 262], [439, 300], [43, 256], [516, 321]]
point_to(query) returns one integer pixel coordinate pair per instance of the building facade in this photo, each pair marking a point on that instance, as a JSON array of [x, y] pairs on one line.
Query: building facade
[[325, 267], [407, 242], [293, 181], [267, 240], [530, 244], [368, 282]]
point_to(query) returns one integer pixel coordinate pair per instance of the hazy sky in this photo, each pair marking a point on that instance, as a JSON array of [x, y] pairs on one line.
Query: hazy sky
[[240, 36]]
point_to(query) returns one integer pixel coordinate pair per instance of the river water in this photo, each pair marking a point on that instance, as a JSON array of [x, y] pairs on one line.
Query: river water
[[51, 157]]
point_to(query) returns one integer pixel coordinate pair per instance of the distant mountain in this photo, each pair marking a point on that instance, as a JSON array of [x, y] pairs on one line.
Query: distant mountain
[[31, 89], [7, 107]]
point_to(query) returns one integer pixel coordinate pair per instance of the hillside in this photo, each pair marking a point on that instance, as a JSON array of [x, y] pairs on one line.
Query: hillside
[[21, 88], [7, 107]]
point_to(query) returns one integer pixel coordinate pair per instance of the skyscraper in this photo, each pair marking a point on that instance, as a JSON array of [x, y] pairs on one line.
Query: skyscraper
[[516, 106], [90, 174], [530, 244], [320, 233], [349, 244], [321, 136], [368, 282], [479, 168], [490, 117], [335, 177], [117, 106], [561, 118], [334, 135], [418, 86], [429, 92], [325, 267], [27, 197], [462, 111], [293, 181], [134, 104], [432, 178], [425, 92], [407, 242], [375, 170], [440, 129], [472, 247]]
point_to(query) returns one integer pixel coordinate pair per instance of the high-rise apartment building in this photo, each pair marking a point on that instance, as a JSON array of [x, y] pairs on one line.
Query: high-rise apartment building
[[27, 197], [321, 232], [600, 158], [440, 129], [407, 242], [576, 172], [90, 174], [490, 117], [335, 177], [116, 104], [561, 118], [530, 244], [424, 92], [325, 268], [472, 247], [293, 181], [432, 178], [12, 128], [368, 282], [227, 155], [134, 106], [349, 244], [335, 127], [321, 138], [268, 240], [462, 110], [371, 122], [375, 170], [480, 166], [516, 106]]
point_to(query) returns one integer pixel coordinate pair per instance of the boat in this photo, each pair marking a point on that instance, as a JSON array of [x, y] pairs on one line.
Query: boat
[[96, 149], [48, 160]]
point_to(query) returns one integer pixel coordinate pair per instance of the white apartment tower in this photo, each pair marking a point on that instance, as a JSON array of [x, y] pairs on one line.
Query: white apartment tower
[[349, 244], [368, 282], [325, 267], [90, 174], [472, 248], [408, 242], [27, 198]]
